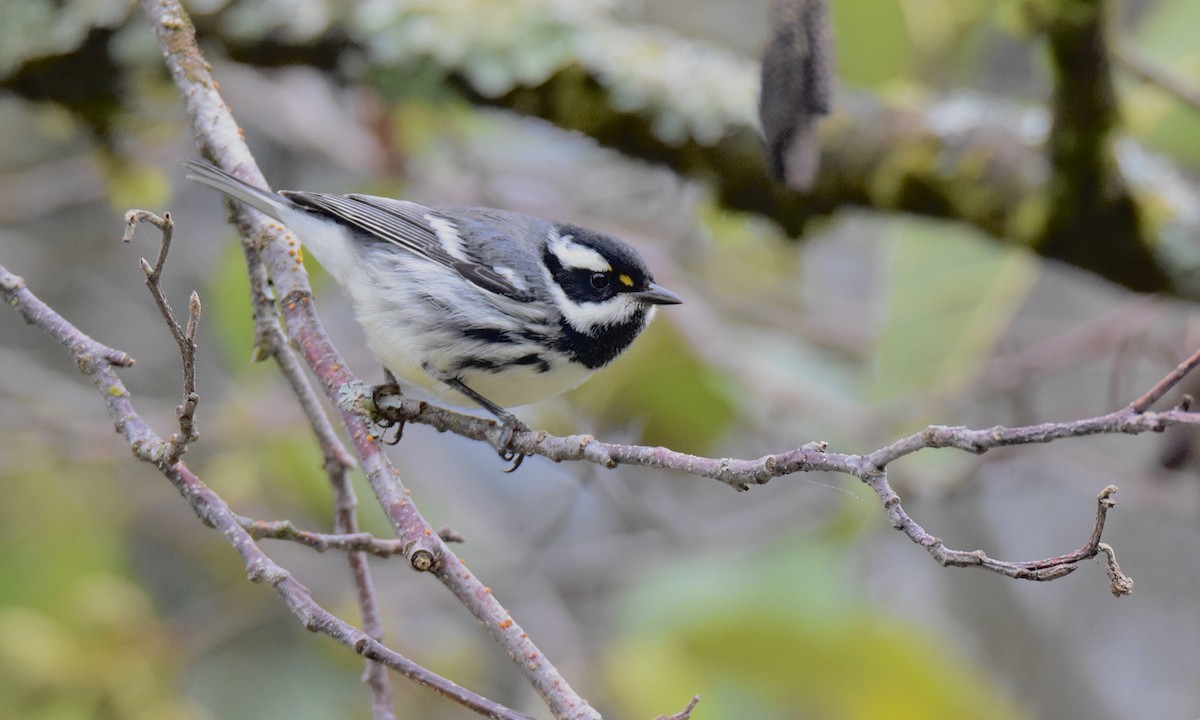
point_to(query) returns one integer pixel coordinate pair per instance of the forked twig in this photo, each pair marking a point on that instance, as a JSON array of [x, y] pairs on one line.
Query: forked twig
[[185, 337]]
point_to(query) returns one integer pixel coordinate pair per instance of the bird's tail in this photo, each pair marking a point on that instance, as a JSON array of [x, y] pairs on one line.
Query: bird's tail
[[265, 202]]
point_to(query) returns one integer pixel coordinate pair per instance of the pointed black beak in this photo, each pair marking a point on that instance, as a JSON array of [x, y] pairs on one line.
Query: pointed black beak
[[657, 295]]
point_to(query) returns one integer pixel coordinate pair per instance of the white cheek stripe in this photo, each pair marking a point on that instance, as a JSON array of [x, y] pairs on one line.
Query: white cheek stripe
[[574, 256], [448, 236], [591, 316], [588, 317]]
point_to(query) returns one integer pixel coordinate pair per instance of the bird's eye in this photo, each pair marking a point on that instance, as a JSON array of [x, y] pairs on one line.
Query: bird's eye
[[599, 280]]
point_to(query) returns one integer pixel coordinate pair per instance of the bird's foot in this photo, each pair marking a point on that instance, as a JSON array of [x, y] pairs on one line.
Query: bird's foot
[[510, 425], [388, 388]]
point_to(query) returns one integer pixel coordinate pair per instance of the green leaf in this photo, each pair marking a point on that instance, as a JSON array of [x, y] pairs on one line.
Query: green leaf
[[1168, 38], [878, 25], [227, 307], [131, 184], [952, 295]]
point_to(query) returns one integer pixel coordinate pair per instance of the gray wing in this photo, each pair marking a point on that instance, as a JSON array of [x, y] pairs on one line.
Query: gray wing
[[414, 228]]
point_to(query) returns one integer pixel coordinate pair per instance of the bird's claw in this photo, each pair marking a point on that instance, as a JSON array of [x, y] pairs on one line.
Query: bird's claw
[[388, 388], [510, 426]]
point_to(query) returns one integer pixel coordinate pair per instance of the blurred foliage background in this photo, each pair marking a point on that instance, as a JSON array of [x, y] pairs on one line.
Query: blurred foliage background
[[795, 600]]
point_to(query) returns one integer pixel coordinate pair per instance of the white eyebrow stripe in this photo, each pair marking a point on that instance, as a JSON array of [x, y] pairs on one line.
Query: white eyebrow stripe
[[577, 257]]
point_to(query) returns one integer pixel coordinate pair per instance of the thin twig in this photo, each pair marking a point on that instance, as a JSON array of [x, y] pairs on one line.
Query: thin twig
[[685, 713], [186, 412], [742, 474], [36, 313], [358, 542], [185, 337], [1162, 387], [1038, 570], [166, 227]]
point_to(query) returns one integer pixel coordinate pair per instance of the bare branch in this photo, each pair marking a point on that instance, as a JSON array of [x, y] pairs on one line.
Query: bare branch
[[94, 361], [35, 312], [165, 225], [270, 341], [1040, 570], [1162, 387], [187, 410], [741, 474]]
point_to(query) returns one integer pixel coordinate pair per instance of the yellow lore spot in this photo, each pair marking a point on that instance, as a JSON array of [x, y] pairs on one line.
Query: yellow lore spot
[[625, 280]]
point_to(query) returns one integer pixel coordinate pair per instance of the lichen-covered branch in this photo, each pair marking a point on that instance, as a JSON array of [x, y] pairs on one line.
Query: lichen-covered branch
[[1092, 217], [690, 106], [656, 96]]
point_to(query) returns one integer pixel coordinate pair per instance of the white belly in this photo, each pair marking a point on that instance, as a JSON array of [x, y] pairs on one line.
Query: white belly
[[424, 345]]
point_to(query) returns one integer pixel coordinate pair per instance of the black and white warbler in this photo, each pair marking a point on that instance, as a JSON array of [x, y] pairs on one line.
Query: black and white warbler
[[470, 304]]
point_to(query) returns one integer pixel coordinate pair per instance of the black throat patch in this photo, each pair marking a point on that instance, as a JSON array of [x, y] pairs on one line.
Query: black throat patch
[[599, 349]]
